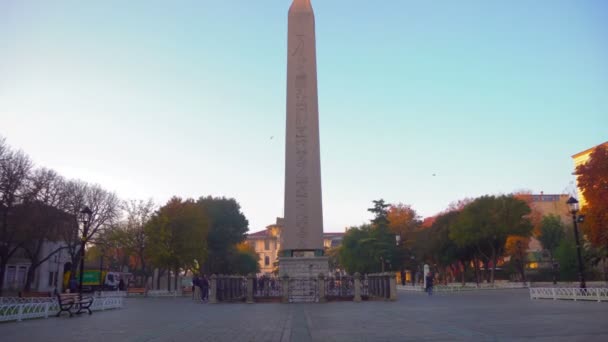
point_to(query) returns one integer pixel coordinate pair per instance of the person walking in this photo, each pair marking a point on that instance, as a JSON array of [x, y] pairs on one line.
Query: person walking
[[429, 283], [196, 292]]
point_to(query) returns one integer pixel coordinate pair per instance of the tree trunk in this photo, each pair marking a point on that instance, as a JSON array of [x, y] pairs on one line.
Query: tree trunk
[[176, 279], [605, 269], [3, 263], [402, 276], [168, 280], [476, 270], [464, 272], [29, 279], [158, 279], [494, 257]]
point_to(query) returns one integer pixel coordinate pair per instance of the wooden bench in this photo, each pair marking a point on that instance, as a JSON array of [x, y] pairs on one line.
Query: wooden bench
[[72, 303], [29, 294], [136, 290]]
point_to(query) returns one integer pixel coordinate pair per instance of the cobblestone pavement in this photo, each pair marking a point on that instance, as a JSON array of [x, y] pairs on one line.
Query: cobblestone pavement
[[500, 315]]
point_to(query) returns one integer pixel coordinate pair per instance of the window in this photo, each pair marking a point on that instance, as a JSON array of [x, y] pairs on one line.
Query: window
[[21, 276], [267, 245], [51, 276], [266, 261], [11, 273]]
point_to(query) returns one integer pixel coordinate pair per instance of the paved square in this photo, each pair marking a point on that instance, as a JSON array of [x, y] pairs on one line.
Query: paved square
[[501, 315]]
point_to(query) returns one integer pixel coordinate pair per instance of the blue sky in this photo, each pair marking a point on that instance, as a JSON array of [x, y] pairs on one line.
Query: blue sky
[[157, 98]]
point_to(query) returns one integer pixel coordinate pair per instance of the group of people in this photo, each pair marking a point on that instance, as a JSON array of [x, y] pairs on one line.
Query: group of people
[[200, 288]]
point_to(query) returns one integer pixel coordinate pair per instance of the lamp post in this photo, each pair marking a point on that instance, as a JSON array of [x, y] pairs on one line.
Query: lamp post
[[573, 205], [85, 218]]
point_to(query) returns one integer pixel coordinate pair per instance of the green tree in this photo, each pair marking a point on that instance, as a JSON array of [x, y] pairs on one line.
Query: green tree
[[380, 211], [487, 222], [565, 254], [228, 228], [442, 250], [177, 235], [357, 253], [245, 260], [370, 248], [552, 232]]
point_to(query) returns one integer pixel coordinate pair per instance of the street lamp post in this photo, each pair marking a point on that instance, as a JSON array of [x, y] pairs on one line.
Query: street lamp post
[[85, 218], [573, 205]]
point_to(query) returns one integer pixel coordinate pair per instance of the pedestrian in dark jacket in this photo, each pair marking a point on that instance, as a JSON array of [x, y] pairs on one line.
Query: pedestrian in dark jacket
[[429, 283], [205, 289]]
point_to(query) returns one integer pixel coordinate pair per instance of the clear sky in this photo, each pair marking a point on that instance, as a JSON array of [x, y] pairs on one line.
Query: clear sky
[[161, 98]]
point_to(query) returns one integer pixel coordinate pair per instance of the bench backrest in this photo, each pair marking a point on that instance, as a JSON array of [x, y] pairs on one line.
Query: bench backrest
[[68, 296]]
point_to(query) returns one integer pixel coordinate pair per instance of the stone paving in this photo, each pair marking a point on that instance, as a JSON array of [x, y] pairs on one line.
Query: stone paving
[[500, 315]]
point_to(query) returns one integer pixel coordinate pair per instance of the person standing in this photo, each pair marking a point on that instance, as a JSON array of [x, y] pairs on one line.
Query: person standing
[[205, 288], [196, 292], [429, 283]]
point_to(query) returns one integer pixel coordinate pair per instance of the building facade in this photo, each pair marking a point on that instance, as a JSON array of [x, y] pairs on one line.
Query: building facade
[[266, 244], [48, 276]]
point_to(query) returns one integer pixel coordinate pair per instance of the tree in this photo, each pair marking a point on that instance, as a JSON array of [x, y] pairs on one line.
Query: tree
[[177, 235], [246, 260], [487, 222], [403, 221], [552, 232], [134, 236], [516, 249], [15, 168], [380, 211], [592, 178], [369, 248], [443, 251], [357, 254], [105, 207], [228, 227], [41, 220], [565, 254]]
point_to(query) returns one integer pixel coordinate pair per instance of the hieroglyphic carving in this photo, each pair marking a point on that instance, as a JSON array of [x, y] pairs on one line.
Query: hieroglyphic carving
[[301, 139]]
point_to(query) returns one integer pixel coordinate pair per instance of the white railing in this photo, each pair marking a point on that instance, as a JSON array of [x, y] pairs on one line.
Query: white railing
[[162, 293], [596, 294], [24, 300], [454, 287], [21, 311], [111, 294], [410, 288], [569, 284]]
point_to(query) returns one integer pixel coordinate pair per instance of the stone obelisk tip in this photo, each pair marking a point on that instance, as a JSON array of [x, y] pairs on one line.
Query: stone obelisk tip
[[300, 6]]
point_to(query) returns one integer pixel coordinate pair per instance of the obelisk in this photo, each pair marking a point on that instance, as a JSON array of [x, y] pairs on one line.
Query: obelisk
[[301, 252]]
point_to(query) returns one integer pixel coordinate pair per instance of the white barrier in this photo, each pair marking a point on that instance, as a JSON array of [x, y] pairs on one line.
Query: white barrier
[[111, 294], [24, 300], [162, 293], [39, 309], [595, 294], [458, 287]]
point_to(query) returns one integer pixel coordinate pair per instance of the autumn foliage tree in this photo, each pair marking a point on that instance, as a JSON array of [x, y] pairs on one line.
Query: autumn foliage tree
[[593, 181]]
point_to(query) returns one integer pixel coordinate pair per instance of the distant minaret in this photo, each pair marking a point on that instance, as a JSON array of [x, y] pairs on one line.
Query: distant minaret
[[302, 234]]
